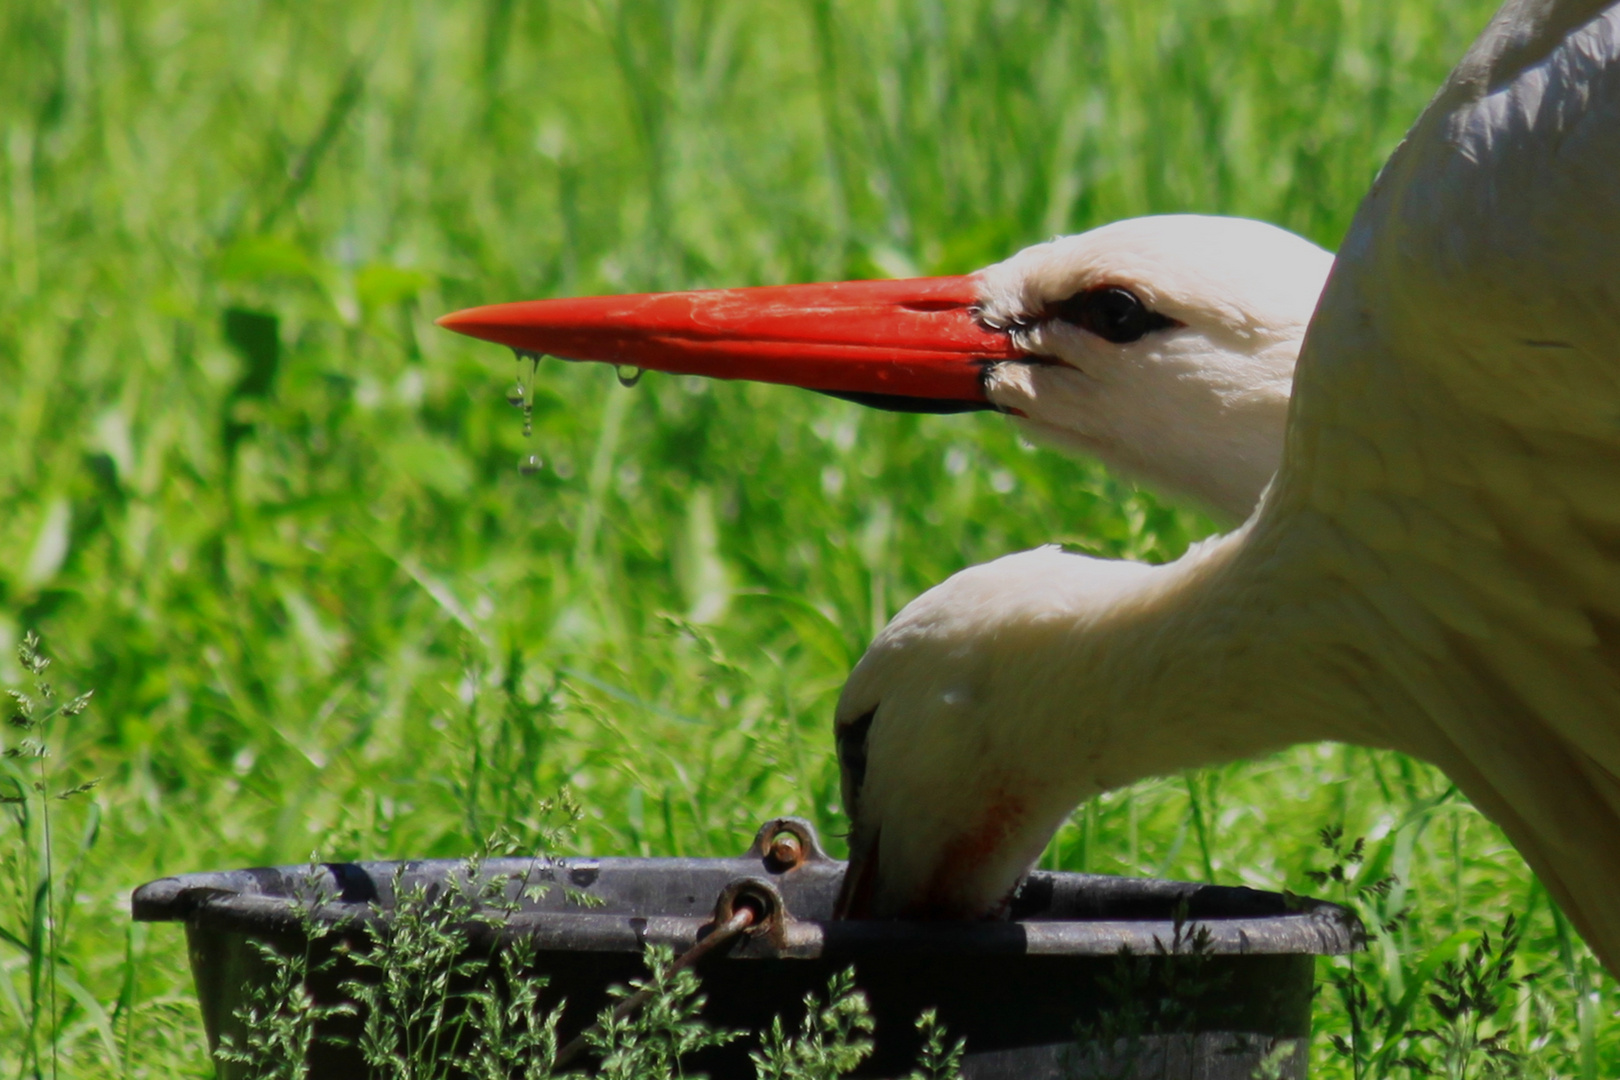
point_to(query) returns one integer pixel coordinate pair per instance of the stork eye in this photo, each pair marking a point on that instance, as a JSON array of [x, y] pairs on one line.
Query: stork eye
[[1112, 313]]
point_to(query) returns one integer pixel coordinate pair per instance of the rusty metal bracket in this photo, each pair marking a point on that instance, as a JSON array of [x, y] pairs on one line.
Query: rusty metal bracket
[[756, 895], [786, 843]]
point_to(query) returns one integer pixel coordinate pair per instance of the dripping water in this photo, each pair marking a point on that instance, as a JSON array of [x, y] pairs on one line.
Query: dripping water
[[629, 374], [521, 395]]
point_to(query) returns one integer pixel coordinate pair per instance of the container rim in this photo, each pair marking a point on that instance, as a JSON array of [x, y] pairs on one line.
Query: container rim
[[236, 901]]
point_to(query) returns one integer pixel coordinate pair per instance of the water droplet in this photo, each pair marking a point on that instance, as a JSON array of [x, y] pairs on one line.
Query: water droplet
[[528, 364], [515, 396], [629, 375], [530, 465]]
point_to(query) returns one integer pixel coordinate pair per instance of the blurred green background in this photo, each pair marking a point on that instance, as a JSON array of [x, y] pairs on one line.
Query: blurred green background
[[273, 516]]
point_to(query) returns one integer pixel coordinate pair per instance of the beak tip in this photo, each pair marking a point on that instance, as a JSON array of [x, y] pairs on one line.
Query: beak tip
[[477, 323]]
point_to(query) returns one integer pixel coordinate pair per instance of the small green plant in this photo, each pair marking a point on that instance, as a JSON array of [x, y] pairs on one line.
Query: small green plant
[[41, 895], [1163, 992], [517, 1036], [1467, 997], [1464, 993], [1274, 1065], [413, 962], [416, 1013], [279, 1020], [1159, 992], [550, 826], [939, 1059], [432, 1005], [831, 1041], [415, 954], [1380, 1039], [649, 1043]]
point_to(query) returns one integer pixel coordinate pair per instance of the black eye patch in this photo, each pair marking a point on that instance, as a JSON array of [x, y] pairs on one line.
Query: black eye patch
[[851, 739], [1112, 313]]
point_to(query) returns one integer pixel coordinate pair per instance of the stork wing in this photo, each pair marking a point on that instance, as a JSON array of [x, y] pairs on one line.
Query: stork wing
[[1455, 430]]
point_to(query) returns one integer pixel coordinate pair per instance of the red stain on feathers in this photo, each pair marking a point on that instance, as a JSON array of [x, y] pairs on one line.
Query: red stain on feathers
[[964, 856]]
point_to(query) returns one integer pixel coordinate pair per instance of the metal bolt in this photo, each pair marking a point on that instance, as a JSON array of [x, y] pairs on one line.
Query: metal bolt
[[786, 851]]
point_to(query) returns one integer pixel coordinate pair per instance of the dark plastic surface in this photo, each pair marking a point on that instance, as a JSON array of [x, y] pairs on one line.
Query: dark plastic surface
[[1018, 990]]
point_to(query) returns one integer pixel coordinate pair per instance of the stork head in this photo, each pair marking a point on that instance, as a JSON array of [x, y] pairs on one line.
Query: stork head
[[1164, 346], [962, 742], [1168, 346]]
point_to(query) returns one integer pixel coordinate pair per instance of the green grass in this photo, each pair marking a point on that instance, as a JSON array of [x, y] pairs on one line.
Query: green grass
[[273, 516]]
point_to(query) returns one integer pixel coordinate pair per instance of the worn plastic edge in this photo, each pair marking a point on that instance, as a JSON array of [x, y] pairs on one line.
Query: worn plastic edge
[[220, 900]]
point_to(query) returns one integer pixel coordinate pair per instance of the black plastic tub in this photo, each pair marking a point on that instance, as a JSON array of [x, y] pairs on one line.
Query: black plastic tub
[[1091, 976]]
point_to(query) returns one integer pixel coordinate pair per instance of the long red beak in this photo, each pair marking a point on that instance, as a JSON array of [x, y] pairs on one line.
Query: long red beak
[[910, 344]]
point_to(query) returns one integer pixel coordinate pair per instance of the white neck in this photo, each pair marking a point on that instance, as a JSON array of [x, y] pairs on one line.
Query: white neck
[[1203, 664], [1288, 631]]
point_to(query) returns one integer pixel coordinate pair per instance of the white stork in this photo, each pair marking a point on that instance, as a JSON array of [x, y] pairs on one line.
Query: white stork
[[1163, 346], [1435, 569]]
